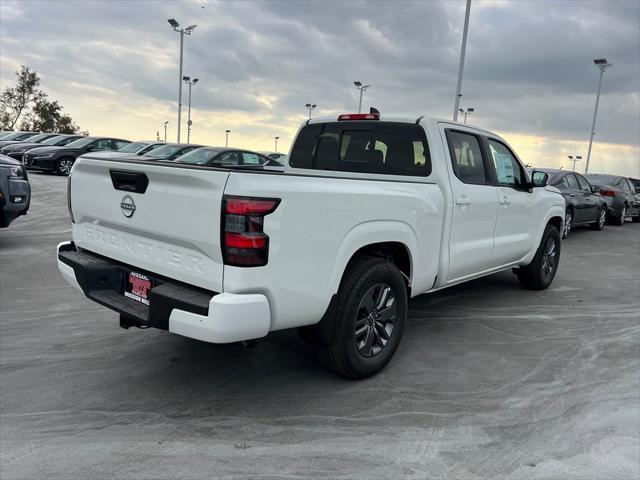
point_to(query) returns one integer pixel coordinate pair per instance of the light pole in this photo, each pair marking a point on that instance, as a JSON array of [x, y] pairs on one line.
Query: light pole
[[463, 50], [575, 159], [165, 130], [310, 107], [602, 64], [182, 31], [191, 83], [276, 139], [466, 112], [362, 88], [226, 139]]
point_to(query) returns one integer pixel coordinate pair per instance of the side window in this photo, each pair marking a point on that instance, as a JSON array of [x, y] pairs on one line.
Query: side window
[[104, 143], [508, 169], [250, 158], [120, 144], [227, 158], [584, 185], [466, 157], [572, 182]]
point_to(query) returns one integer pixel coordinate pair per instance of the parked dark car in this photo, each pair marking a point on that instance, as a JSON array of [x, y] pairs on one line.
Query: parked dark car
[[17, 150], [15, 137], [620, 196], [169, 151], [39, 138], [61, 159], [585, 206], [15, 192], [226, 157]]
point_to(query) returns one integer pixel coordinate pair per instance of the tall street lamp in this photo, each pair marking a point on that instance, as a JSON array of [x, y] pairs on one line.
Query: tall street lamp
[[466, 112], [182, 31], [362, 88], [276, 148], [165, 130], [602, 64], [191, 83], [310, 107], [463, 50], [575, 159], [226, 138]]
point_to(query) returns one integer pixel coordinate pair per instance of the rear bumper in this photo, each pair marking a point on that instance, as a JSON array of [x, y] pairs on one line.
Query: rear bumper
[[174, 306]]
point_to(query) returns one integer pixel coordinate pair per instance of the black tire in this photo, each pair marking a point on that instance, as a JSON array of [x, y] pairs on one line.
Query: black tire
[[601, 220], [539, 274], [619, 221], [568, 223], [344, 354], [63, 167], [636, 219]]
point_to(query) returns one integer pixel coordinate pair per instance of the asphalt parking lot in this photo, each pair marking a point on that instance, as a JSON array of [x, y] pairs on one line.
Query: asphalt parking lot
[[491, 381]]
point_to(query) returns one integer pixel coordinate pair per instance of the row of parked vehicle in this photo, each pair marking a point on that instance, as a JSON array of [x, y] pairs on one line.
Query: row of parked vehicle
[[57, 152]]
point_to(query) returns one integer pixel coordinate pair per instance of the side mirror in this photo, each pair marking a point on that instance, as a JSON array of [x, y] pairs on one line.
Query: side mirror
[[539, 179]]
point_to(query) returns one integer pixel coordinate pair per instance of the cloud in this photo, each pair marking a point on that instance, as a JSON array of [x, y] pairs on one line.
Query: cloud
[[528, 71]]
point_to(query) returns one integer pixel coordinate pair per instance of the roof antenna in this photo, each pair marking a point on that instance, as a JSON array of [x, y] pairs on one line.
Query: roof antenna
[[374, 110]]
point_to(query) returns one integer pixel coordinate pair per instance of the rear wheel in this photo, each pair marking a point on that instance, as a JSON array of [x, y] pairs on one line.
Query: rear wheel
[[64, 166], [539, 274], [568, 223], [602, 217], [619, 221], [636, 219], [369, 319]]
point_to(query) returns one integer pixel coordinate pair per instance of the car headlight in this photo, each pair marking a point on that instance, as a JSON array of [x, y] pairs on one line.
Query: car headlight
[[14, 171]]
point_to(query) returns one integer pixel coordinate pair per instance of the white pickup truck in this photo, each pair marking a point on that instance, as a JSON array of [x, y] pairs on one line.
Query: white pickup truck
[[370, 211]]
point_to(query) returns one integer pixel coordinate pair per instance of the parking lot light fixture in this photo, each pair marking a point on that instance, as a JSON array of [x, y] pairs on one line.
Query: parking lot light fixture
[[191, 83], [310, 106], [276, 147], [182, 31], [466, 112], [574, 159], [362, 88], [165, 130], [226, 140], [602, 65]]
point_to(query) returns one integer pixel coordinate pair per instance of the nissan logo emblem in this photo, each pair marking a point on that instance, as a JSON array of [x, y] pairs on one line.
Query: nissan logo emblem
[[128, 206]]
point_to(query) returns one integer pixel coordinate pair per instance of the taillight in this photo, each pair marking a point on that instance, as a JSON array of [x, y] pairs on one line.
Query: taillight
[[359, 116], [244, 243], [607, 193], [69, 198]]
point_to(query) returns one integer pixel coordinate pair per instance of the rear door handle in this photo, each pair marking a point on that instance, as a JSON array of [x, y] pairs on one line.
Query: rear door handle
[[463, 201], [505, 201]]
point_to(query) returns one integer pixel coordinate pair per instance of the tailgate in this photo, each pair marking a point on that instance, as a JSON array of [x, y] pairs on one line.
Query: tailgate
[[161, 218]]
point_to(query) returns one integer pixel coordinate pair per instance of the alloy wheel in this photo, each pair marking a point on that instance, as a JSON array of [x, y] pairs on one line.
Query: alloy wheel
[[375, 319], [603, 218], [65, 166], [568, 218], [549, 259]]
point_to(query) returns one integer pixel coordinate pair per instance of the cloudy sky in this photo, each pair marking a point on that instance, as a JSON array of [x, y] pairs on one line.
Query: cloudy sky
[[529, 72]]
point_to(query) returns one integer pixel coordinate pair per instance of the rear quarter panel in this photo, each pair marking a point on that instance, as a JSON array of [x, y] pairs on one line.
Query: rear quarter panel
[[320, 223]]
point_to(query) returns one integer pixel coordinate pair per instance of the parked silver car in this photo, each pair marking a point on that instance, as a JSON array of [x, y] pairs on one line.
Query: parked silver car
[[15, 192]]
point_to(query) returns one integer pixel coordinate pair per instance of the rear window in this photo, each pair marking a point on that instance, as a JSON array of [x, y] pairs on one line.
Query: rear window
[[363, 147], [604, 180]]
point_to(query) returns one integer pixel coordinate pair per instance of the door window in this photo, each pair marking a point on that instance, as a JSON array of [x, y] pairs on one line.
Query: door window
[[571, 182], [584, 185], [102, 144], [120, 144], [509, 172], [466, 157], [250, 158], [227, 158]]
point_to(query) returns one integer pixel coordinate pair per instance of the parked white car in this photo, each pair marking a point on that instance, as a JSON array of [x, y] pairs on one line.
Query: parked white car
[[369, 211]]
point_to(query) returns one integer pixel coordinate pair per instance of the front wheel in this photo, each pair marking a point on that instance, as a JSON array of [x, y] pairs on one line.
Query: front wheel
[[619, 221], [539, 274], [369, 319], [568, 223], [602, 218], [64, 166]]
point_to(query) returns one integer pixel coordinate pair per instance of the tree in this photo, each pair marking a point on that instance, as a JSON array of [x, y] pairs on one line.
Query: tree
[[46, 116], [38, 112], [15, 100]]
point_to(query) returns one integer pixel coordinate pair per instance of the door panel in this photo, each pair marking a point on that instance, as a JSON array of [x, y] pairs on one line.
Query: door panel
[[591, 205], [474, 207]]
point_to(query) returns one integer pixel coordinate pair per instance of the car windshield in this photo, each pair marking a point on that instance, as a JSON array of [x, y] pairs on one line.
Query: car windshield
[[608, 180], [41, 136], [53, 140], [81, 142], [14, 136], [164, 151], [199, 156], [132, 147]]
